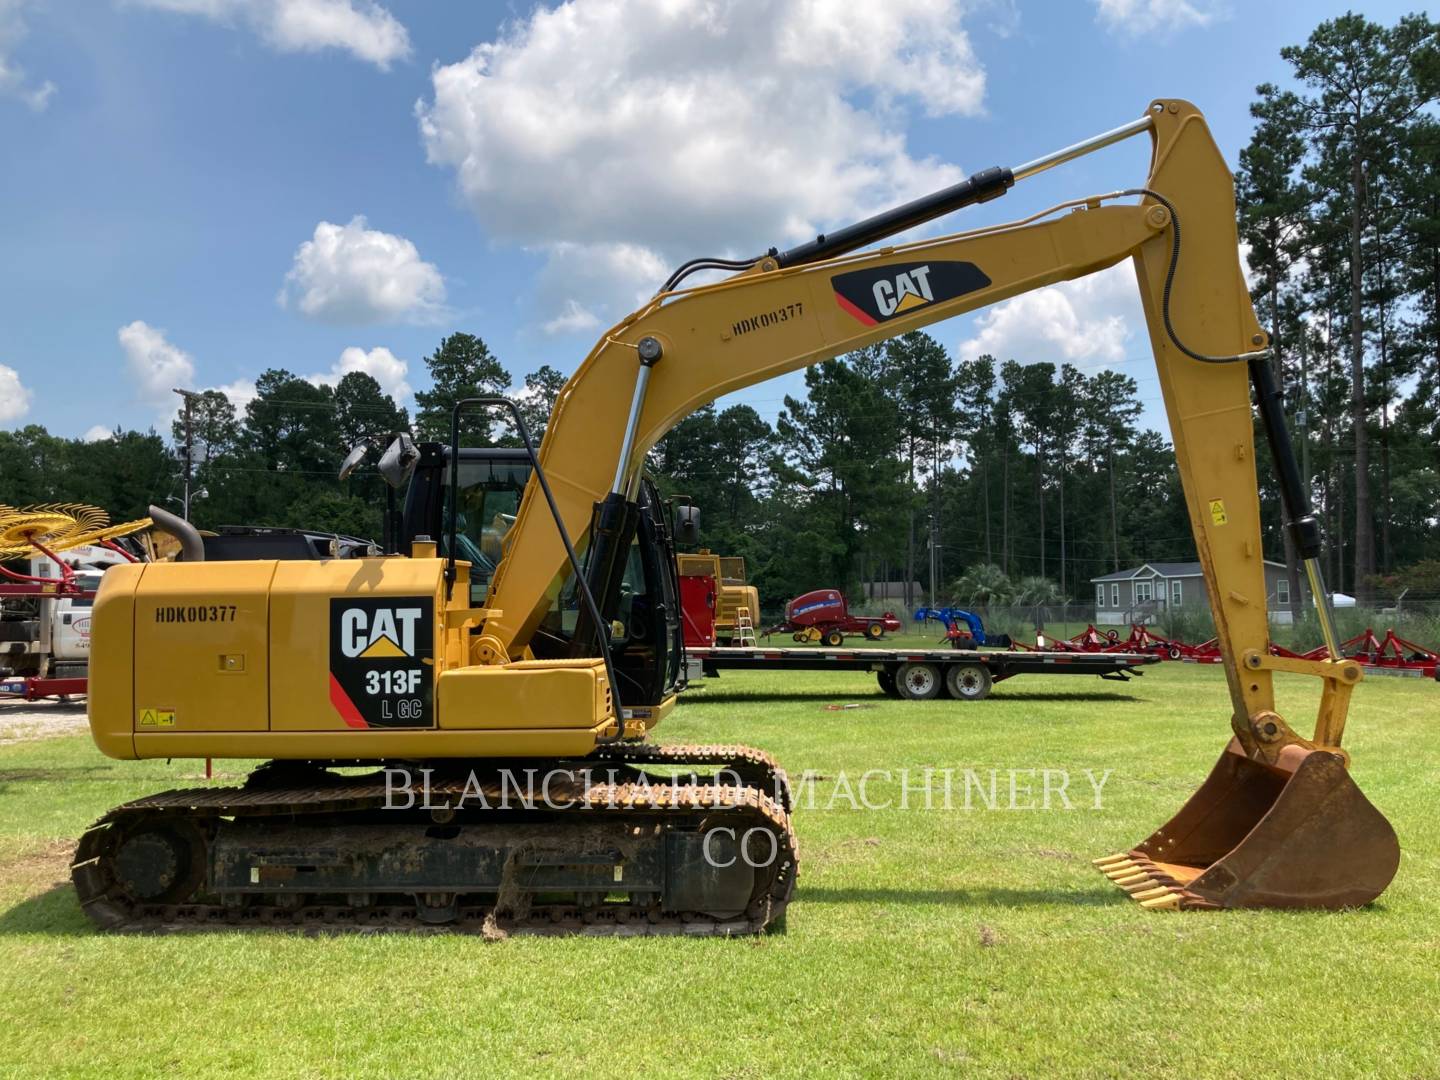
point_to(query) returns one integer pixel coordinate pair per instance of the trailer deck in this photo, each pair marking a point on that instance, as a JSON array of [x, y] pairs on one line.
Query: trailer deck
[[921, 674]]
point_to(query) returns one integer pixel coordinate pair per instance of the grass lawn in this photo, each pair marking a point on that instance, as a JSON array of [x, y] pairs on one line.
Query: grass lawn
[[920, 942]]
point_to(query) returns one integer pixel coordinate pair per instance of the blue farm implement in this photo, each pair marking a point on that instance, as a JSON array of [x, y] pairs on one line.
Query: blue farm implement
[[963, 629]]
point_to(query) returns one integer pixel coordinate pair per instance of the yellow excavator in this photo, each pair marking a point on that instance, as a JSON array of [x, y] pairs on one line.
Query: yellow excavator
[[457, 740]]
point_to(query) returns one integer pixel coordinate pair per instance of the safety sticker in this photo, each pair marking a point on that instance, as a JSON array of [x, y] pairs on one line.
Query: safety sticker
[[1217, 512], [157, 718]]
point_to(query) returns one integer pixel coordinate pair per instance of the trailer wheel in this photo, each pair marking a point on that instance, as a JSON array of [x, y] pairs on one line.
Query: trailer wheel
[[886, 679], [918, 682], [834, 638], [874, 631], [968, 682], [1173, 652]]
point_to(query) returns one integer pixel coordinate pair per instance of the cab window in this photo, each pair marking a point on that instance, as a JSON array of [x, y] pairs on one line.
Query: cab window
[[490, 493]]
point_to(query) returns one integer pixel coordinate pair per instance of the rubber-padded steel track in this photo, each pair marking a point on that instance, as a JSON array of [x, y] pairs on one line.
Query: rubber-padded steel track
[[604, 790]]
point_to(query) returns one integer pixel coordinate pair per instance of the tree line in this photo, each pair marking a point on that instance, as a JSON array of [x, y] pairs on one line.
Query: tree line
[[275, 461], [902, 465], [1339, 202]]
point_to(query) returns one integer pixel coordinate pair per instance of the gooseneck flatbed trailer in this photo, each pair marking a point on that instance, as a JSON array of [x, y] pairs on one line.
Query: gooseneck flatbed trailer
[[923, 674]]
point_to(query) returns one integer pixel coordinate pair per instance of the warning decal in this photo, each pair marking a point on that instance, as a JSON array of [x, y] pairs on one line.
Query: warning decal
[[1217, 512], [382, 661], [155, 718]]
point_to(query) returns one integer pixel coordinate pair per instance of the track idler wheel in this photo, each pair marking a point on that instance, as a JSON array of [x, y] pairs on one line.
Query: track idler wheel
[[1297, 834]]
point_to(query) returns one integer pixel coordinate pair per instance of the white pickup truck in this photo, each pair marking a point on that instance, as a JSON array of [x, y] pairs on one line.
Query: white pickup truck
[[49, 636]]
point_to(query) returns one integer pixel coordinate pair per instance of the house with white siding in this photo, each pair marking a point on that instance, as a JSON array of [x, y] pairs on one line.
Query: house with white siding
[[1141, 594]]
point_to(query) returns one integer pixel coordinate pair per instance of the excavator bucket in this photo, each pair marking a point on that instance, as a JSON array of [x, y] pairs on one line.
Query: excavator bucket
[[1297, 834]]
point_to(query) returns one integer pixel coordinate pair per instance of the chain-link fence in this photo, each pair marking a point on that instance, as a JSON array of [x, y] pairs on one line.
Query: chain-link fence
[[1417, 621]]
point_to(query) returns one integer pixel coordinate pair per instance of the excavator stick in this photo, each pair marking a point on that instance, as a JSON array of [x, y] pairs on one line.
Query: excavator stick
[[1298, 834], [1279, 822]]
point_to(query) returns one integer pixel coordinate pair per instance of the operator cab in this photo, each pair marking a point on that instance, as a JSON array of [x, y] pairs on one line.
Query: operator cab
[[645, 636]]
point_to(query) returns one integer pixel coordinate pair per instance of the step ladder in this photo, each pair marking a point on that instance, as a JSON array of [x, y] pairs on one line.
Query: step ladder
[[744, 629]]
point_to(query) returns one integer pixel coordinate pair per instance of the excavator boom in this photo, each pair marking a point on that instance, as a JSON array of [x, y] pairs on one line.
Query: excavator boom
[[796, 308]]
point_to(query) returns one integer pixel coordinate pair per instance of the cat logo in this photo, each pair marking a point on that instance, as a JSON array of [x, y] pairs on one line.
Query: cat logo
[[382, 634], [883, 293], [909, 290], [382, 661]]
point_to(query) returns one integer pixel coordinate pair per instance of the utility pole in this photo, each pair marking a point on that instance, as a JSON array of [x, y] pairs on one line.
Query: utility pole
[[189, 397], [934, 553]]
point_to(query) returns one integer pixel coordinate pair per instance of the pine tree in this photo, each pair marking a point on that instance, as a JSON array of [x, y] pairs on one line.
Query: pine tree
[[462, 367]]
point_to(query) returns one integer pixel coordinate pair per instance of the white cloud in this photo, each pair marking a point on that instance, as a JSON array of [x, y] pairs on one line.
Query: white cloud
[[157, 366], [1086, 322], [15, 397], [380, 364], [579, 281], [14, 82], [362, 28], [354, 274], [240, 392], [656, 130], [573, 319], [1136, 18], [98, 433]]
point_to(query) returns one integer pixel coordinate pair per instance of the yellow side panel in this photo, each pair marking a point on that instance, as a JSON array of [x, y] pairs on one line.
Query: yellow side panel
[[526, 694], [731, 599], [200, 647], [112, 662], [346, 651]]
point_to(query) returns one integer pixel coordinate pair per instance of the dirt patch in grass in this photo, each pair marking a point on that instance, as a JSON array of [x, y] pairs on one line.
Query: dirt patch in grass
[[1053, 853], [27, 721], [37, 869]]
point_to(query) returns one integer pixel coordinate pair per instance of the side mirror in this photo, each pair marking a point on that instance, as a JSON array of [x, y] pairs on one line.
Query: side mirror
[[353, 459], [687, 524], [398, 461]]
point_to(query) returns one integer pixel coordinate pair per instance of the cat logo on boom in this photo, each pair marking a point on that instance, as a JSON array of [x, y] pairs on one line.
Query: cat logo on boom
[[882, 293]]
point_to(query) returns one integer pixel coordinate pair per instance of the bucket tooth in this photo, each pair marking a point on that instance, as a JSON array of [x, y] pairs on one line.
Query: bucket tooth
[[1151, 893], [1169, 902], [1149, 885], [1109, 860]]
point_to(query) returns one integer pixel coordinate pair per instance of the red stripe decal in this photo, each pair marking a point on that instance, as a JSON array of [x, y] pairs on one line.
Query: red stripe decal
[[344, 706], [846, 305]]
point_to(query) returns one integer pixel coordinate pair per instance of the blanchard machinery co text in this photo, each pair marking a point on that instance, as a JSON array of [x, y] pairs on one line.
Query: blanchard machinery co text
[[959, 789]]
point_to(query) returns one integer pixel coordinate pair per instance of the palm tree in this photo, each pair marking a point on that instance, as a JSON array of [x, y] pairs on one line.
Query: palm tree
[[983, 585], [1037, 591]]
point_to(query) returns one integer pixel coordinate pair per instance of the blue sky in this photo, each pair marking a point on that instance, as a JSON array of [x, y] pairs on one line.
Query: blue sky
[[195, 190]]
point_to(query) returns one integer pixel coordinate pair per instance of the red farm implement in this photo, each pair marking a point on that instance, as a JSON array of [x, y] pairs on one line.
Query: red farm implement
[[822, 615], [1390, 655]]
